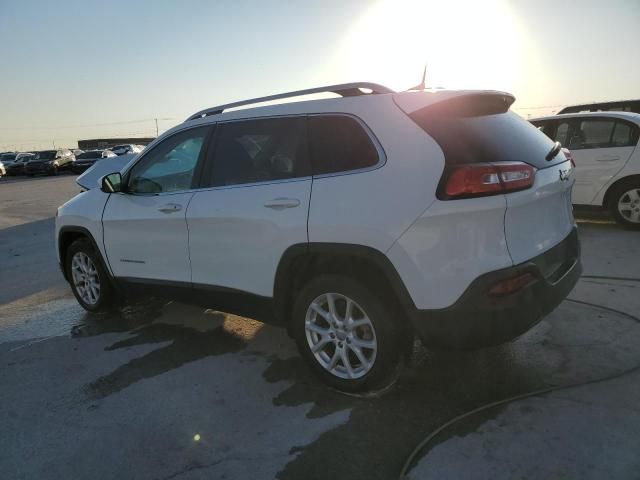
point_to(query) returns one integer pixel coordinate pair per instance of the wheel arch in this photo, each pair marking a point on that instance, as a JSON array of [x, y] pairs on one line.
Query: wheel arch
[[301, 262], [611, 188], [69, 234]]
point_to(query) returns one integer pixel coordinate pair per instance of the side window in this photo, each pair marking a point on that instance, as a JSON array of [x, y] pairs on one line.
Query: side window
[[592, 133], [260, 150], [624, 135], [170, 166], [562, 133], [338, 144]]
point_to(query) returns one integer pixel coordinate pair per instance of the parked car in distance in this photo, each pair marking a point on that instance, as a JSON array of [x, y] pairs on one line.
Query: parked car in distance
[[87, 159], [419, 222], [7, 158], [604, 146], [615, 106], [17, 166], [3, 171], [50, 162], [127, 149]]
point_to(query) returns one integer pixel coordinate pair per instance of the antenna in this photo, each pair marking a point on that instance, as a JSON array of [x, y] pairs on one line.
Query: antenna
[[423, 84]]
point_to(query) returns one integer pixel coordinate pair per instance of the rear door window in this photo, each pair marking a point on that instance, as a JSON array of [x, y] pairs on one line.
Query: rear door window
[[260, 150], [593, 133], [339, 143]]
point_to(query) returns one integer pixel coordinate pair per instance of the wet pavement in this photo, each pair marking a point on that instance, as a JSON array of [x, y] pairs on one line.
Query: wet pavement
[[164, 390]]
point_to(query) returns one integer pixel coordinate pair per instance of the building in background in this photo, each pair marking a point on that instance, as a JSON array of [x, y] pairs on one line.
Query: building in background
[[97, 143]]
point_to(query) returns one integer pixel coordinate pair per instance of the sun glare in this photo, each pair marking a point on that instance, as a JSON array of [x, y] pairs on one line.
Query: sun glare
[[465, 44]]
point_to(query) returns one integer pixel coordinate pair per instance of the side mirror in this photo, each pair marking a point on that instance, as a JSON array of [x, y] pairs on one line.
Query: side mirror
[[111, 183]]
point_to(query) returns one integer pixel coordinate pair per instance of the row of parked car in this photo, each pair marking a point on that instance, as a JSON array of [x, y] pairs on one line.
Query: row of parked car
[[51, 162]]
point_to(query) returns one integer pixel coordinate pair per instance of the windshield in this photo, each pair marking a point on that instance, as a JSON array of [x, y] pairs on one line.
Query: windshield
[[7, 157], [46, 155]]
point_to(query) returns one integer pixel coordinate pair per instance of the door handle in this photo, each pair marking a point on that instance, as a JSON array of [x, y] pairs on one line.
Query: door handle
[[611, 158], [282, 203], [170, 208]]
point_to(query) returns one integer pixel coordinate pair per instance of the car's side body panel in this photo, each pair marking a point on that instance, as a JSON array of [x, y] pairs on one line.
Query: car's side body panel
[[145, 236], [237, 234]]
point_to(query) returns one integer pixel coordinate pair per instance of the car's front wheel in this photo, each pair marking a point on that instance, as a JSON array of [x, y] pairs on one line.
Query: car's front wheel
[[624, 204], [89, 281], [346, 333]]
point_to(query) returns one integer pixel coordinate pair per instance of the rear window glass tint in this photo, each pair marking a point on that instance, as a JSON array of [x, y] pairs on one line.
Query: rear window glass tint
[[486, 138], [339, 144]]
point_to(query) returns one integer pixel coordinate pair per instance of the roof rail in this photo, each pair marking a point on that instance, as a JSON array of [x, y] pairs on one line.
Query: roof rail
[[345, 90]]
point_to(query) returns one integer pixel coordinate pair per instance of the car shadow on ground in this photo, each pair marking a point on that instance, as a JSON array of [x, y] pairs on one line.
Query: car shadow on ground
[[380, 432]]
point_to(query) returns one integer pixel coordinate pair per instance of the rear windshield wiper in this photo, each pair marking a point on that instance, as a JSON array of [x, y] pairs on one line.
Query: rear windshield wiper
[[553, 152]]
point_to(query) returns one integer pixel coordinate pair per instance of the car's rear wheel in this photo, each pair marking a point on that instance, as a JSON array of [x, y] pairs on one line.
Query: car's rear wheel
[[89, 280], [624, 204], [346, 333]]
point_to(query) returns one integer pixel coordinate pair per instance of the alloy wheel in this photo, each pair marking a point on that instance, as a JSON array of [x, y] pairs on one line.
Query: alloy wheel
[[85, 278], [341, 336], [629, 205]]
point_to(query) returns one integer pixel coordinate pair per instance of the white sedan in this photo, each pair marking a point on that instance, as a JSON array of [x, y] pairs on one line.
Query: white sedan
[[605, 149]]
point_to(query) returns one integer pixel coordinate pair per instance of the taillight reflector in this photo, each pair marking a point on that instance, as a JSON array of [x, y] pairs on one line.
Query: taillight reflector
[[479, 179], [510, 285]]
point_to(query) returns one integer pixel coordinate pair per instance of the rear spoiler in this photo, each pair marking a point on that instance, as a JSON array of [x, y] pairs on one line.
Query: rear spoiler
[[458, 104]]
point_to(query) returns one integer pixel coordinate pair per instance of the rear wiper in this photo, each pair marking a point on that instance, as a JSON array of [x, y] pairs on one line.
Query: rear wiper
[[553, 152]]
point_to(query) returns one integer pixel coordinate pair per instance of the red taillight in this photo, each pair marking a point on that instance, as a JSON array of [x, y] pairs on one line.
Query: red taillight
[[478, 179], [569, 156], [510, 285]]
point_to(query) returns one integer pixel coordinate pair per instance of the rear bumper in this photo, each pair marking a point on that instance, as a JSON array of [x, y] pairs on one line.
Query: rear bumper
[[477, 320]]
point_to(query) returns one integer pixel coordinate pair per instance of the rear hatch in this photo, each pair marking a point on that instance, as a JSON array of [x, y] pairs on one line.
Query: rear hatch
[[478, 135]]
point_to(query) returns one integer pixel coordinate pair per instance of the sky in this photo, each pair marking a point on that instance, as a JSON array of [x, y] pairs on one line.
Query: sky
[[72, 69]]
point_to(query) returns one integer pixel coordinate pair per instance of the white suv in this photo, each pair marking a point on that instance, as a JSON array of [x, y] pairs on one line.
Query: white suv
[[604, 146], [356, 222]]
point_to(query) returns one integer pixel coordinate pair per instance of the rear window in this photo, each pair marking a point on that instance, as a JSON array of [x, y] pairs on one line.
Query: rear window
[[500, 137]]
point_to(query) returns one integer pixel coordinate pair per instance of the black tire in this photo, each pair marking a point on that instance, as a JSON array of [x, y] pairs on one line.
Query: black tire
[[387, 363], [617, 194], [107, 297]]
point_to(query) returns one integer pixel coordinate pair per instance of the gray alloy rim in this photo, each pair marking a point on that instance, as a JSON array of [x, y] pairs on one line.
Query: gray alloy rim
[[85, 278], [629, 205], [341, 336]]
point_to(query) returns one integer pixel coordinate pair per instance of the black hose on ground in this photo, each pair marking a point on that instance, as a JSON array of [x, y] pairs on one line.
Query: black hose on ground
[[412, 457]]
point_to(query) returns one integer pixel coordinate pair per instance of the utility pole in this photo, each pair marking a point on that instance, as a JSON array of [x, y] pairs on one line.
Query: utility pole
[[156, 126], [54, 144]]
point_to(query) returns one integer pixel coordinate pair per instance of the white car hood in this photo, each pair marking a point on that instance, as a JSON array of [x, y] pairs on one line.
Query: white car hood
[[91, 178]]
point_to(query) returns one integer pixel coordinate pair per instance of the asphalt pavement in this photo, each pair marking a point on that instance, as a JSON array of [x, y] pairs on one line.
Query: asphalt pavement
[[164, 390]]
